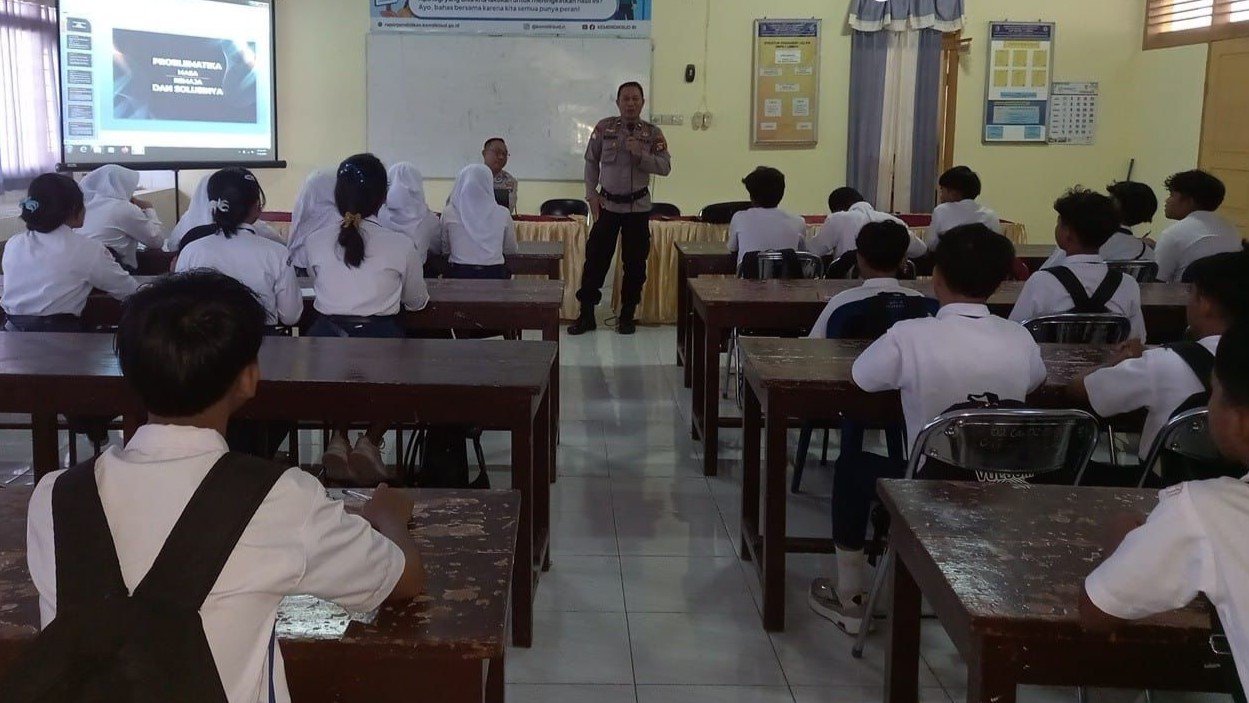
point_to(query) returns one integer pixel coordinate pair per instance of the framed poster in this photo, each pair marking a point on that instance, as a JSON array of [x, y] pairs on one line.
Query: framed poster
[[1073, 113], [786, 83], [1017, 97]]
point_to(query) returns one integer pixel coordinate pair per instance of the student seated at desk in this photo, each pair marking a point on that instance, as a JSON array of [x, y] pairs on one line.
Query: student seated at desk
[[849, 214], [477, 232], [200, 213], [1194, 540], [117, 219], [765, 226], [49, 270], [1192, 198], [1135, 204], [937, 363], [407, 213], [188, 346], [958, 189], [232, 246], [1082, 283], [315, 210]]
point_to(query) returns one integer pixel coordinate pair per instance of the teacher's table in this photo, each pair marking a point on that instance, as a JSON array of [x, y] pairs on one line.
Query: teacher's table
[[791, 380], [724, 304], [448, 645], [495, 385], [1004, 567]]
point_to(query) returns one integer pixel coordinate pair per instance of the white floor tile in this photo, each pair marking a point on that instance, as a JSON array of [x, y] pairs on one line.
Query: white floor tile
[[582, 584], [583, 534], [685, 585], [582, 494], [714, 694], [702, 649], [697, 532], [569, 693], [582, 648], [869, 694]]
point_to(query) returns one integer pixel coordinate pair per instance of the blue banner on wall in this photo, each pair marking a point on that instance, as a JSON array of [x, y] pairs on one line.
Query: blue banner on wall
[[607, 18]]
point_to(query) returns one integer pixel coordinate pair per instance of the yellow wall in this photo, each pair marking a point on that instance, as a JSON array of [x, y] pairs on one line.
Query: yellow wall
[[1151, 103]]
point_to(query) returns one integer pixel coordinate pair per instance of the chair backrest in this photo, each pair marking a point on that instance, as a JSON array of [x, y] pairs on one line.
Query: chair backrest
[[665, 210], [565, 207], [1008, 444], [722, 213], [1142, 271], [1079, 328], [846, 267], [780, 264], [1187, 436]]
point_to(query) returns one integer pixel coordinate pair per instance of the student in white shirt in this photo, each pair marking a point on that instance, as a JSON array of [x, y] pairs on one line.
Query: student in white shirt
[[1192, 198], [936, 363], [188, 346], [117, 219], [363, 274], [765, 227], [315, 210], [232, 246], [1086, 220], [49, 270], [1136, 204], [1194, 540], [199, 214], [850, 212], [477, 232], [958, 189], [407, 213]]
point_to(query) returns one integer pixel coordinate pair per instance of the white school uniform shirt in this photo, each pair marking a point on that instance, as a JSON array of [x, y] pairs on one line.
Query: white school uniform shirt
[[390, 275], [1197, 236], [939, 361], [871, 287], [476, 230], [113, 220], [1158, 381], [299, 542], [1193, 542], [947, 216], [407, 213], [840, 231], [53, 273], [766, 229], [199, 214], [257, 263], [1042, 294], [1123, 245]]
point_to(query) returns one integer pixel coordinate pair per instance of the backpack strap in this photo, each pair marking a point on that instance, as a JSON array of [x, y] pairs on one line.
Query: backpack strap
[[87, 567], [205, 535], [1079, 296], [1199, 360], [1109, 286]]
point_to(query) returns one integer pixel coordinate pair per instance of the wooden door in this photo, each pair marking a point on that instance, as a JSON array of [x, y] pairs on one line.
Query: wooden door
[[1224, 138]]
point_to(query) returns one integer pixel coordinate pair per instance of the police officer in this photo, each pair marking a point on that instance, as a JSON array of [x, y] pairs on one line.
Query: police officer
[[622, 155]]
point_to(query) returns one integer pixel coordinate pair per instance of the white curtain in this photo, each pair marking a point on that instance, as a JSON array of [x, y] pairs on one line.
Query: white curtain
[[29, 116]]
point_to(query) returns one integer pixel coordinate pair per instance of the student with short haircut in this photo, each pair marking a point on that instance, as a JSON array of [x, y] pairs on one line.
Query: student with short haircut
[[1194, 540], [765, 227], [1135, 204], [188, 347], [49, 270], [1192, 198], [1082, 283], [937, 363], [849, 213], [116, 218], [958, 189]]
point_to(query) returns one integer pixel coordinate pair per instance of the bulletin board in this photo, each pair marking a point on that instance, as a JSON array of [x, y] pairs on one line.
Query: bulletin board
[[1017, 98], [786, 83]]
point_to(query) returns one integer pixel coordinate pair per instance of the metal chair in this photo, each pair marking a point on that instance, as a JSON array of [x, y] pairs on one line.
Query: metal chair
[[665, 210], [846, 268], [565, 207], [722, 213], [1142, 271], [1079, 328], [995, 445], [1186, 434]]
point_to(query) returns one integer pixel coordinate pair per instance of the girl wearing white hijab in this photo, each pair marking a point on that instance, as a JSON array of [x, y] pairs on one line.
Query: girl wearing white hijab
[[407, 213], [199, 214], [476, 231], [315, 210], [117, 219]]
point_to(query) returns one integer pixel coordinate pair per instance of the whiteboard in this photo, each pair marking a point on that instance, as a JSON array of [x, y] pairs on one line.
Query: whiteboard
[[434, 100]]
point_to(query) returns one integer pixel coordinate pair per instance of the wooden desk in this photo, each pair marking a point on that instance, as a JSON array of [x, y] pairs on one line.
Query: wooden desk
[[534, 259], [1016, 621], [447, 646], [809, 380], [1034, 255], [722, 304], [491, 384]]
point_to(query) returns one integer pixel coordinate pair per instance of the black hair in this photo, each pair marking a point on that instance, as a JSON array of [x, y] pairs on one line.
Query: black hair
[[1206, 190], [1223, 278], [52, 199], [1136, 202], [842, 198], [962, 180], [360, 191], [184, 339], [766, 186], [883, 245], [1229, 364], [1092, 216], [630, 84], [233, 192], [974, 260], [492, 140]]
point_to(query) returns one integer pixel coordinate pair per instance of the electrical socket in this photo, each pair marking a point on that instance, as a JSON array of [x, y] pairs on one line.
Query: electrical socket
[[673, 120]]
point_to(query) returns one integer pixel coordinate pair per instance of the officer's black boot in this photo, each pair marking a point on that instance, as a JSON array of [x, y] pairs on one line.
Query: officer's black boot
[[585, 321], [626, 325]]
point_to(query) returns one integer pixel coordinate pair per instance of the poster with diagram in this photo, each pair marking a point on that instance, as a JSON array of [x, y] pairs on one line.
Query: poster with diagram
[[1017, 99], [786, 83]]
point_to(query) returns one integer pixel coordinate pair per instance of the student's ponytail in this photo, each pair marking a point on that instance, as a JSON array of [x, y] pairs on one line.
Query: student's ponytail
[[52, 200], [232, 195], [359, 194]]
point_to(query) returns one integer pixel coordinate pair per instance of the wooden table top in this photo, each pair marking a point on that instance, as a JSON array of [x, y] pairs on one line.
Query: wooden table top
[[1023, 251]]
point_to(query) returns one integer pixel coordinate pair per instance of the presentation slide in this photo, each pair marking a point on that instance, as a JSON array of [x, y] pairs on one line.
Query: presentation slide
[[167, 82]]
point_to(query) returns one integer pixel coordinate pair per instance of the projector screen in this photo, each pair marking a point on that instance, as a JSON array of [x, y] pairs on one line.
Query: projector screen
[[167, 83]]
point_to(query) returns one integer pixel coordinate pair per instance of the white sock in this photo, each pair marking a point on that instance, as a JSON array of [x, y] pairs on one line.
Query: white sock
[[851, 574]]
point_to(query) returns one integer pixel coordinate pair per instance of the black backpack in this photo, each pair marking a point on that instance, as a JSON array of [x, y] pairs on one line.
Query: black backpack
[[1085, 303], [1177, 468], [871, 318], [107, 645]]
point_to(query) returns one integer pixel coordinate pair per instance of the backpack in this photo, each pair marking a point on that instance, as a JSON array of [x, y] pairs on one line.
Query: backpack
[[1085, 303], [1176, 468], [444, 459], [870, 318], [791, 267], [107, 645]]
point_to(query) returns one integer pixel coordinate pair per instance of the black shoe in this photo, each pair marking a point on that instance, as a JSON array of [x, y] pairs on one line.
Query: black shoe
[[584, 324], [625, 323]]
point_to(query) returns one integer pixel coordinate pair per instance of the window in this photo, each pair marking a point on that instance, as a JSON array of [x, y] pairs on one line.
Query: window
[[1178, 22], [29, 107]]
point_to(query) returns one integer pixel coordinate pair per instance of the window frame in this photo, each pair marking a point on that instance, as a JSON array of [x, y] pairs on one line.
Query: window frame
[[1221, 24]]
